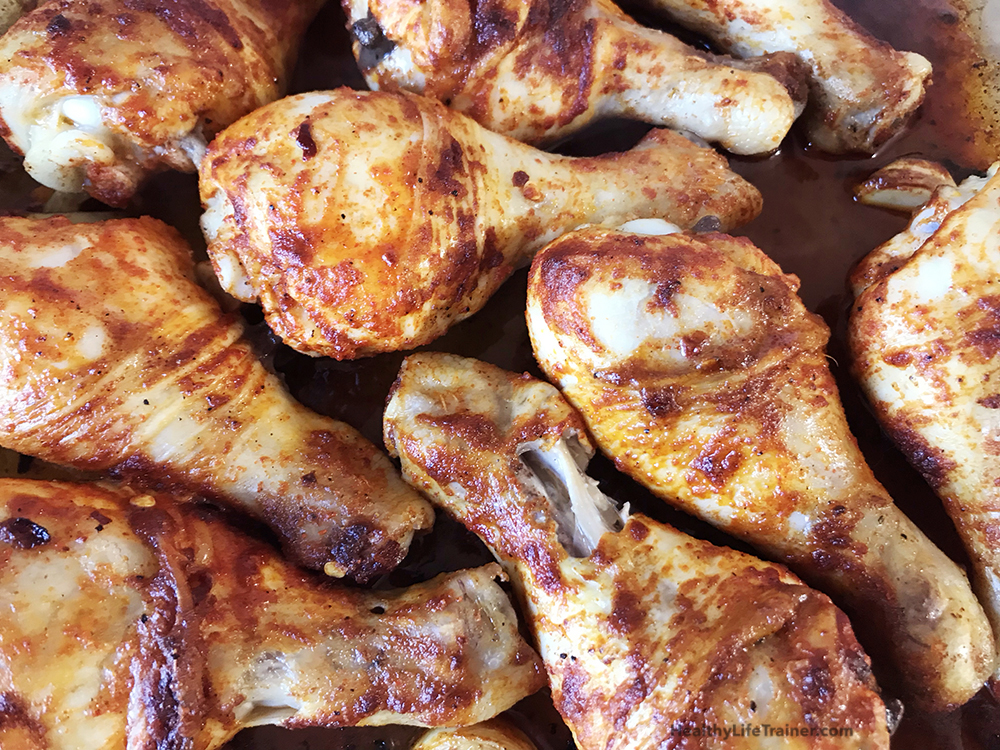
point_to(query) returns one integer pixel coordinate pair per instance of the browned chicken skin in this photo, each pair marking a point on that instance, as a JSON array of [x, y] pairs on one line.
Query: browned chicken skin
[[112, 358], [538, 70], [96, 95], [490, 735], [368, 222], [861, 90], [137, 622], [701, 373], [649, 637], [925, 338]]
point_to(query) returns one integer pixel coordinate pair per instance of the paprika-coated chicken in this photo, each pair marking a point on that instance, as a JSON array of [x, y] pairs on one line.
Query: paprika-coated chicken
[[539, 70], [113, 359], [925, 338], [700, 372], [130, 622], [496, 734], [646, 633], [861, 90], [96, 95], [368, 222]]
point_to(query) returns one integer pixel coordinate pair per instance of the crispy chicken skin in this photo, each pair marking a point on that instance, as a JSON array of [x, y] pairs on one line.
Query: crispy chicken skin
[[924, 338], [701, 373], [539, 70], [96, 95], [368, 222], [645, 632], [496, 734], [112, 358], [135, 621], [861, 90]]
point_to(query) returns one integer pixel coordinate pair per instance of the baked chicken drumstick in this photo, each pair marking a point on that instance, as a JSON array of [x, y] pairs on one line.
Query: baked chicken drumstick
[[135, 622], [861, 90], [539, 70], [97, 97], [113, 359], [924, 337], [368, 222], [648, 635], [490, 735], [701, 373]]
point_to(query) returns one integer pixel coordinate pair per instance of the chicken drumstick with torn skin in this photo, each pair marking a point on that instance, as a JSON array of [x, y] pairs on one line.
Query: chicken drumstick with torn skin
[[540, 70], [701, 373], [96, 98], [368, 222], [644, 631], [112, 358], [861, 90], [130, 622], [924, 336]]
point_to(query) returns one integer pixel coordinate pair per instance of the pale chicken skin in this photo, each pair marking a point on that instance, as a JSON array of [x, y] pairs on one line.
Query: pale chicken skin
[[647, 635], [496, 734], [924, 337], [861, 90], [113, 359], [367, 222], [540, 70], [702, 375], [97, 95], [130, 622]]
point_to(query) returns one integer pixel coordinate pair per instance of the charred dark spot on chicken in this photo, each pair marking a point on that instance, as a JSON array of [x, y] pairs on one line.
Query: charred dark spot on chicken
[[374, 44], [303, 137], [931, 462], [23, 533]]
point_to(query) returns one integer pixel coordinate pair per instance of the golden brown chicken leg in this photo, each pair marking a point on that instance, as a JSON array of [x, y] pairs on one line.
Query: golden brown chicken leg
[[924, 336], [539, 70], [496, 734], [112, 358], [701, 373], [135, 622], [647, 634], [369, 222], [861, 90], [97, 96]]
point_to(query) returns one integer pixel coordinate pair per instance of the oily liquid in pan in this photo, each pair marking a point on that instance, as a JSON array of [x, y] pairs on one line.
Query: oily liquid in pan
[[810, 225]]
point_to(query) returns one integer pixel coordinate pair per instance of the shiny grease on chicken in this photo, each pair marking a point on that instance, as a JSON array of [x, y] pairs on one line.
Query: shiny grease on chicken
[[136, 621], [702, 375], [367, 222], [97, 95], [924, 337], [540, 70], [861, 90], [645, 632], [113, 359]]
